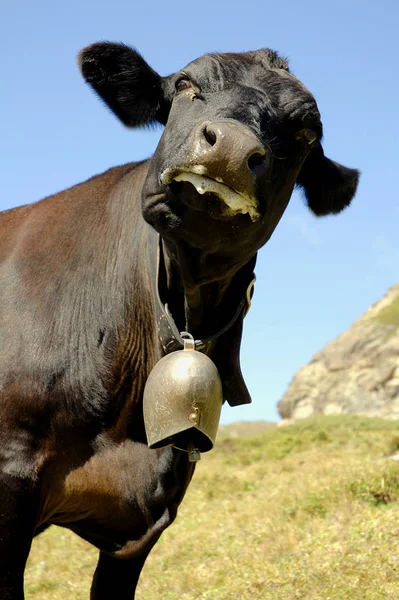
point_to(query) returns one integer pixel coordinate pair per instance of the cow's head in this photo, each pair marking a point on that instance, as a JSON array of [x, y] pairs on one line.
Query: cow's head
[[240, 132]]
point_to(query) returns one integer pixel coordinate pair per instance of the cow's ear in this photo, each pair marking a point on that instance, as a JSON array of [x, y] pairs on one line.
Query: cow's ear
[[126, 83], [329, 187]]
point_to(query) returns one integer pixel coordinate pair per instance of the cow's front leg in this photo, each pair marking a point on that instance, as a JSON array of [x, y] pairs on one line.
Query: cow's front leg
[[117, 577], [17, 524]]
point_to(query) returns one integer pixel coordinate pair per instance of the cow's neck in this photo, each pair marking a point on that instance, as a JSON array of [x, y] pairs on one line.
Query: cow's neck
[[201, 298]]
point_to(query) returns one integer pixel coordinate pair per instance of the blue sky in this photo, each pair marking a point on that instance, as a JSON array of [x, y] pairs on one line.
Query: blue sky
[[315, 276]]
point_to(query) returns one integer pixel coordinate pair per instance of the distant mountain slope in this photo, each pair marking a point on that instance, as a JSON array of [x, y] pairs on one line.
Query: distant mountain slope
[[358, 372], [243, 429]]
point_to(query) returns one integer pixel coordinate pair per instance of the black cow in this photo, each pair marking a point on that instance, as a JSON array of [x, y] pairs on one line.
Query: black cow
[[79, 314]]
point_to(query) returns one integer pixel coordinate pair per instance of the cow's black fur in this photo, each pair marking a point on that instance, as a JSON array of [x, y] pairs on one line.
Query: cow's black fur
[[78, 333]]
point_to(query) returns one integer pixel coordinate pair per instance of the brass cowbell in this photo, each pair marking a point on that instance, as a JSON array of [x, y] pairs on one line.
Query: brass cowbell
[[182, 401]]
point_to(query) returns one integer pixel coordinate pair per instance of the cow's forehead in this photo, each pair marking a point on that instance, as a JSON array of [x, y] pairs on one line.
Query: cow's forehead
[[247, 68], [225, 67], [263, 70], [264, 57]]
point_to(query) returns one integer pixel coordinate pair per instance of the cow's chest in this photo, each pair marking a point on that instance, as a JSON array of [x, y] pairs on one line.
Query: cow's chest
[[118, 494]]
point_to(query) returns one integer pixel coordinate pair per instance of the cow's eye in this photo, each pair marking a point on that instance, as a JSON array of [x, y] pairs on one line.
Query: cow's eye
[[183, 84], [308, 134]]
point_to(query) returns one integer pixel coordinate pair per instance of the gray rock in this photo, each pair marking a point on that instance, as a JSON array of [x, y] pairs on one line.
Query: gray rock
[[358, 372]]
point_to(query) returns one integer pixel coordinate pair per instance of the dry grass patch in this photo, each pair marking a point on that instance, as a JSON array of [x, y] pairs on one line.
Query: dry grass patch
[[304, 512]]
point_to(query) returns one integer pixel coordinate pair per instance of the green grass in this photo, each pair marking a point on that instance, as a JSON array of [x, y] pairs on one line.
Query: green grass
[[309, 511], [389, 315]]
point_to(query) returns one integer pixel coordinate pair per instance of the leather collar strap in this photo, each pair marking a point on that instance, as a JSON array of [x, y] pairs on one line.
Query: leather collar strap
[[171, 338]]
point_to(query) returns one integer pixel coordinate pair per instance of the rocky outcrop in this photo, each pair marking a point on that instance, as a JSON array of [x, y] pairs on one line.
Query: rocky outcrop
[[358, 372]]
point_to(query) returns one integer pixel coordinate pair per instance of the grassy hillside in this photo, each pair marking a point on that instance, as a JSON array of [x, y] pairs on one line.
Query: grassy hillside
[[309, 511], [389, 315], [244, 429]]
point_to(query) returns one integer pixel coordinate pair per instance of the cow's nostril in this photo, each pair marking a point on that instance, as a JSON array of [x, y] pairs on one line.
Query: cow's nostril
[[256, 160], [210, 136]]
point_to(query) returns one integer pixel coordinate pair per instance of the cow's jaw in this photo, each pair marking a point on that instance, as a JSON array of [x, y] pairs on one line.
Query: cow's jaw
[[234, 202]]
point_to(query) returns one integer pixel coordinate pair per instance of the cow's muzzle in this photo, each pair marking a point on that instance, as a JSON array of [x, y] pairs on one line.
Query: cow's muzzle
[[224, 159]]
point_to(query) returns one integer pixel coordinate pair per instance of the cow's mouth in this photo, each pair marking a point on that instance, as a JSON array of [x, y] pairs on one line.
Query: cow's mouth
[[233, 202]]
